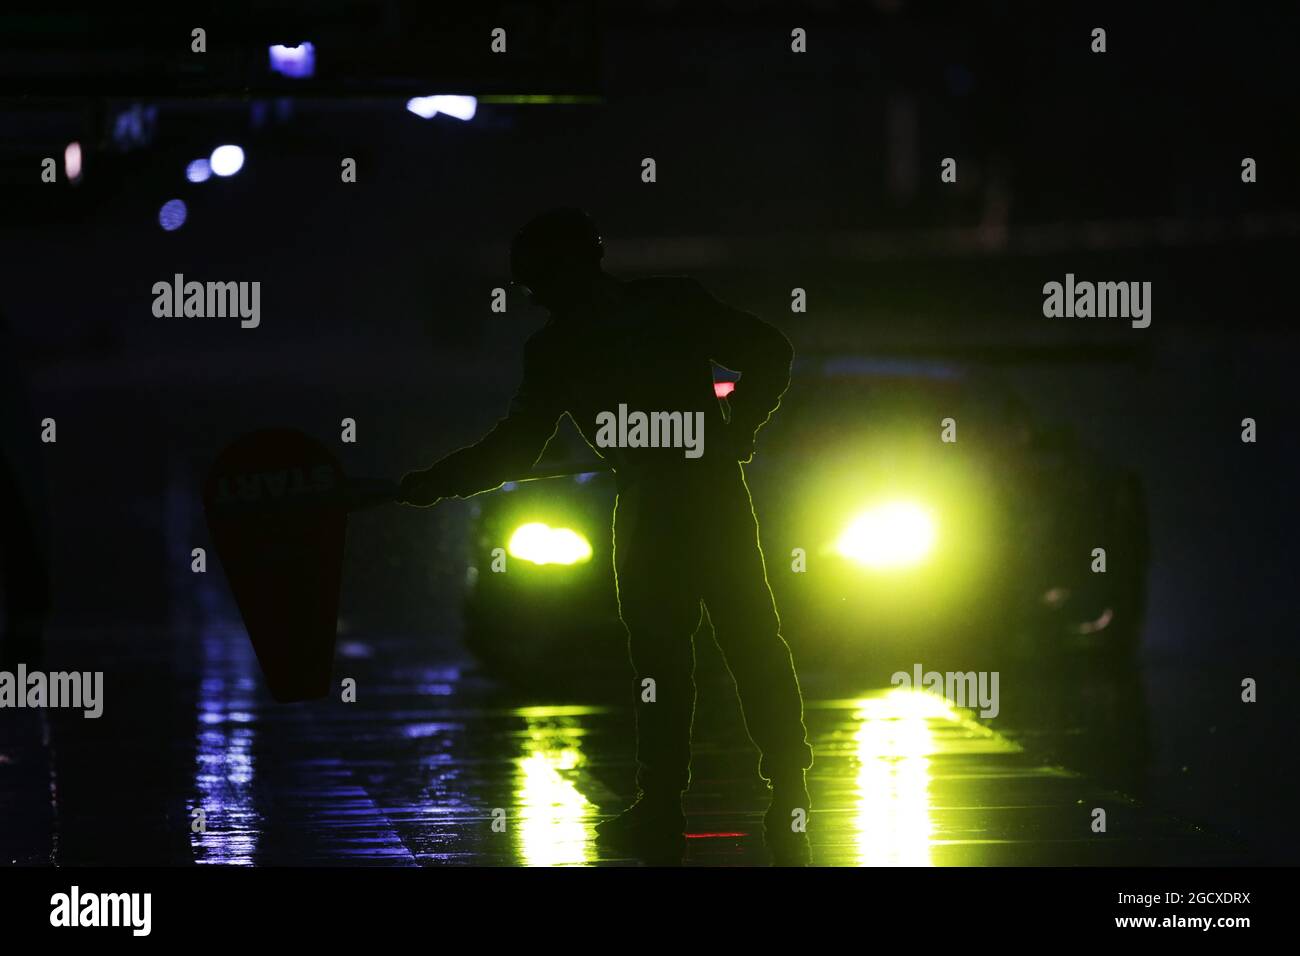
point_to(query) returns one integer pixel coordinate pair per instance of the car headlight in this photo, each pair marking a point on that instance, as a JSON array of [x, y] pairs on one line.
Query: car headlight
[[539, 543], [895, 534]]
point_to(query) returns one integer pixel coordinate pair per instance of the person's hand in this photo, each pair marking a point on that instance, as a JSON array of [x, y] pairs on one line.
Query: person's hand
[[419, 489]]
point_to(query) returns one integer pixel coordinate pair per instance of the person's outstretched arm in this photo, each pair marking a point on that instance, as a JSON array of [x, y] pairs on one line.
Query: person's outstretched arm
[[509, 449], [744, 343]]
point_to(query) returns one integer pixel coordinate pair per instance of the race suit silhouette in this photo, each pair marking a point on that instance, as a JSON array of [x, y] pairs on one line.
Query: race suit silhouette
[[684, 528]]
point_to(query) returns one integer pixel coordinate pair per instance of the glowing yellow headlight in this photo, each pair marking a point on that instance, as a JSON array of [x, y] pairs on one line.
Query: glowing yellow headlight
[[541, 544], [897, 534]]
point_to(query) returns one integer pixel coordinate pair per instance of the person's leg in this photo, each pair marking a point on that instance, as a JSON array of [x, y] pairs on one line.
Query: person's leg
[[747, 629], [661, 612], [748, 632]]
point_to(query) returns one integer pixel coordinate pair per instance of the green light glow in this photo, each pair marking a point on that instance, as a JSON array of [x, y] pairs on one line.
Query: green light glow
[[553, 818], [539, 99], [894, 741], [559, 710], [895, 534], [539, 543]]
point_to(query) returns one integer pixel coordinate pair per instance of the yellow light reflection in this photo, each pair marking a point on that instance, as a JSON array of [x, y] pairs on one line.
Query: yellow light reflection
[[553, 822], [894, 825]]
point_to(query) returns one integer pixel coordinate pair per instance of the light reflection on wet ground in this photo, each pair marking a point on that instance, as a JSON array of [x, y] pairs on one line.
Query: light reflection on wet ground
[[435, 765], [553, 817], [893, 739], [223, 759]]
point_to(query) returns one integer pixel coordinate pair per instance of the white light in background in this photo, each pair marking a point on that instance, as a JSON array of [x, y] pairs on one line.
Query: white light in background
[[458, 107], [72, 161], [227, 160]]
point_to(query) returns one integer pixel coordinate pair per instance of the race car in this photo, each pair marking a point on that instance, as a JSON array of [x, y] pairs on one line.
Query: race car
[[910, 512]]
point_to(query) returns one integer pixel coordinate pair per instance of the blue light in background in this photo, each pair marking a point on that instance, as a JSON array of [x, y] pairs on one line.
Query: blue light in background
[[172, 215], [297, 62]]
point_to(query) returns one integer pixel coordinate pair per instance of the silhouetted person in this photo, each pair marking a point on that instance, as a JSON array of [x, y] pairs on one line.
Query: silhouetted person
[[684, 527]]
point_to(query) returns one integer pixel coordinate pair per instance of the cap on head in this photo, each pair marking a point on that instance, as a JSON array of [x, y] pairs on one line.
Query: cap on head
[[556, 246]]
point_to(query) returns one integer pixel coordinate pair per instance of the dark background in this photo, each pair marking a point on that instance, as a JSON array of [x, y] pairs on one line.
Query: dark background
[[775, 170]]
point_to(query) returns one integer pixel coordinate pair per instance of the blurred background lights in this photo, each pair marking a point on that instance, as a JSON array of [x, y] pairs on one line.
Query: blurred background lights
[[298, 62], [72, 161], [172, 215], [227, 160], [459, 107], [198, 171]]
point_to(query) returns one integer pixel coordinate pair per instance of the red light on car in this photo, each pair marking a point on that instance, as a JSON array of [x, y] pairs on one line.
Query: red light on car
[[723, 389]]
